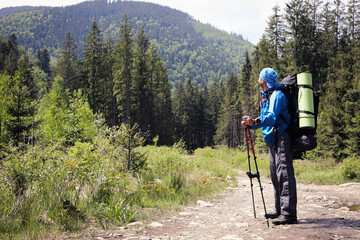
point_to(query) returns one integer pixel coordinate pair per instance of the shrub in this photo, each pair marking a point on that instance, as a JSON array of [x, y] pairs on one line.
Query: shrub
[[351, 168]]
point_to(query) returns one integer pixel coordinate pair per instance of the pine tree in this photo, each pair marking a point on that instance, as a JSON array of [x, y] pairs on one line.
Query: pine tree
[[353, 21], [316, 56], [123, 81], [44, 61], [332, 136], [229, 126], [141, 77], [276, 36], [179, 114], [20, 110], [25, 72], [212, 109], [93, 66], [11, 56], [298, 46], [5, 86], [110, 108], [159, 99], [67, 66], [246, 87], [189, 117]]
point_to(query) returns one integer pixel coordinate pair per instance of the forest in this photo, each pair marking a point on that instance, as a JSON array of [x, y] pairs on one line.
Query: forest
[[189, 48], [78, 125]]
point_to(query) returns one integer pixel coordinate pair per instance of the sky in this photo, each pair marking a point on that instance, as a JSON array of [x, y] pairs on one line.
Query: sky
[[246, 17]]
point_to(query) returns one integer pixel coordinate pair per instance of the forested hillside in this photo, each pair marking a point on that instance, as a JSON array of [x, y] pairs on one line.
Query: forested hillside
[[190, 49], [71, 131]]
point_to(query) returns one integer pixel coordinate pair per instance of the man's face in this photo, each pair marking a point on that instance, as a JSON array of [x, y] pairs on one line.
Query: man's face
[[261, 81]]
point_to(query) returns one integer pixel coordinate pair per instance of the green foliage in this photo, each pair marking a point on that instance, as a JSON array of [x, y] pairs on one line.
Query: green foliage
[[351, 168], [19, 110], [229, 126], [65, 119], [320, 39], [189, 48], [67, 64], [129, 138], [50, 188]]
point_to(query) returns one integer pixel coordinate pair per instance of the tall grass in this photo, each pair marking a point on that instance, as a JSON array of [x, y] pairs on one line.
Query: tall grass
[[50, 189]]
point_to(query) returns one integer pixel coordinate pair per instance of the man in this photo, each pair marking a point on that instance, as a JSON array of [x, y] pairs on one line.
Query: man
[[273, 123]]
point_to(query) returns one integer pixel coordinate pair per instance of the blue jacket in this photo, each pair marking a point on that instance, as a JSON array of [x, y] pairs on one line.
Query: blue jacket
[[270, 120]]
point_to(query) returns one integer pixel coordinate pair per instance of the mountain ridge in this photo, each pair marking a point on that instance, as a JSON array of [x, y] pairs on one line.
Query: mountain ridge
[[190, 48]]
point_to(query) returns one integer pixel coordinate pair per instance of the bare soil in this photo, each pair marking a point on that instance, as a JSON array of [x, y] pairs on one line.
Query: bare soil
[[324, 212]]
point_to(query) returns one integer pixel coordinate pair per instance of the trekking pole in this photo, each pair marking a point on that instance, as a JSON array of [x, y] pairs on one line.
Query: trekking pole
[[257, 175], [249, 172]]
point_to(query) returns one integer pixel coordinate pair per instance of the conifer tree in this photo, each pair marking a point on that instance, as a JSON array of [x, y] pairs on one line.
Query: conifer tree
[[110, 109], [229, 126], [140, 75], [160, 98], [246, 87], [276, 36], [189, 117], [353, 21], [93, 66], [298, 46], [333, 118], [44, 61], [179, 114], [25, 72], [11, 56], [5, 85], [20, 110], [213, 105], [123, 81], [67, 66]]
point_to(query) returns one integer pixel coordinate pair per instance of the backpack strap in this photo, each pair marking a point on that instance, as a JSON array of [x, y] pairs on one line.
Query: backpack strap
[[283, 118], [303, 111]]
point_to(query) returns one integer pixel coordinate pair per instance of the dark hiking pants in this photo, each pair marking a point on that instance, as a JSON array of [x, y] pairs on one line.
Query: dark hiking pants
[[282, 176]]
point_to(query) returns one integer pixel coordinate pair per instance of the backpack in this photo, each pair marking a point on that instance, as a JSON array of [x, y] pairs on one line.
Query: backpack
[[303, 138]]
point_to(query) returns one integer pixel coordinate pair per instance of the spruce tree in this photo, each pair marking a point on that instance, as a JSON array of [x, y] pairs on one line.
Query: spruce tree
[[160, 99], [5, 86], [20, 110], [276, 36], [298, 46], [213, 105], [25, 72], [229, 125], [12, 55], [93, 66], [110, 109], [179, 114], [67, 66], [333, 118], [123, 82], [353, 21], [140, 75], [44, 61]]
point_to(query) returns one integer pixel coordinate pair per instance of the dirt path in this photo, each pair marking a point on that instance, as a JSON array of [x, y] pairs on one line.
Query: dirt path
[[323, 213]]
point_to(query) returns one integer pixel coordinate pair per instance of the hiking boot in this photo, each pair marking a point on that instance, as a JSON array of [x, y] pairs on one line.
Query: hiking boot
[[284, 219], [272, 215]]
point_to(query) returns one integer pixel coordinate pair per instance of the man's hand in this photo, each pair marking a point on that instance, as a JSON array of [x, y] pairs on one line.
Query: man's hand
[[247, 121]]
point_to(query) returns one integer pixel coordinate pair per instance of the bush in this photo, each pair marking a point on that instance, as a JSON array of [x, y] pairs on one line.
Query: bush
[[351, 168]]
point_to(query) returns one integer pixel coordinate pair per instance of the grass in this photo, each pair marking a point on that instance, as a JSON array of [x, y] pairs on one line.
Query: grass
[[36, 182]]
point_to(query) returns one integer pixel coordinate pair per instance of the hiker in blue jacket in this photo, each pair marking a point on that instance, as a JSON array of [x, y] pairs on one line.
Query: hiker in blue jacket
[[274, 113]]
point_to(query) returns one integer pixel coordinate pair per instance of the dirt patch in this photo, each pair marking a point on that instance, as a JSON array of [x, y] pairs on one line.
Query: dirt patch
[[324, 212]]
